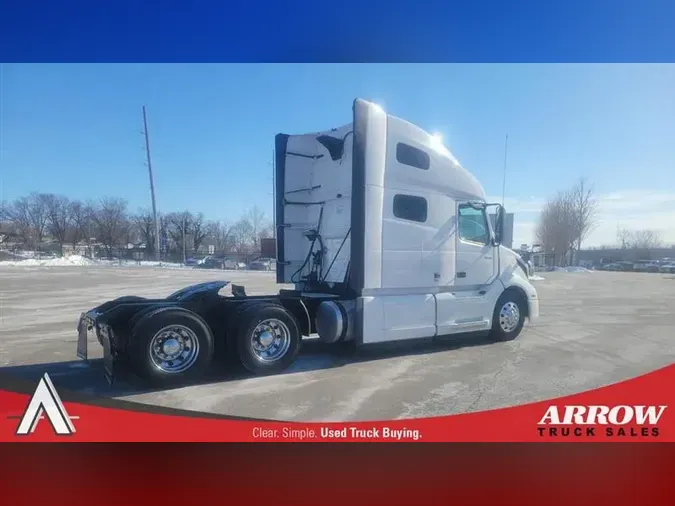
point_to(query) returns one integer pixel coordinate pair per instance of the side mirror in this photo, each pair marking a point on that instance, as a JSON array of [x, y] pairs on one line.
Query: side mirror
[[499, 226]]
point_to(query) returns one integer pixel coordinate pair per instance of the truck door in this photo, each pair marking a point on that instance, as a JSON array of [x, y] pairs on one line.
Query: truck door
[[476, 256]]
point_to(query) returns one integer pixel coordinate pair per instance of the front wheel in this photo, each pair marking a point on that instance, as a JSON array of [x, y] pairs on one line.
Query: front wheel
[[508, 318]]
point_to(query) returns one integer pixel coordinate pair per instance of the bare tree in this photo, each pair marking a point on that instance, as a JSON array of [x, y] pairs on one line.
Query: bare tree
[[584, 207], [566, 220], [17, 213], [256, 218], [556, 229], [164, 226], [6, 234], [178, 229], [130, 235], [640, 239], [220, 233], [4, 211], [144, 223], [59, 218], [266, 231], [647, 239], [110, 218], [261, 227], [623, 237], [29, 218], [198, 230], [81, 223], [7, 227], [242, 235], [37, 213]]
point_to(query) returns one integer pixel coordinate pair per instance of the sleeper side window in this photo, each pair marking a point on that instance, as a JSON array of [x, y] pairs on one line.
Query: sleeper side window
[[414, 157], [411, 208]]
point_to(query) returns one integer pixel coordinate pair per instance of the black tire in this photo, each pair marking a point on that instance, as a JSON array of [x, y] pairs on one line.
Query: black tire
[[232, 339], [150, 325], [248, 320], [498, 332]]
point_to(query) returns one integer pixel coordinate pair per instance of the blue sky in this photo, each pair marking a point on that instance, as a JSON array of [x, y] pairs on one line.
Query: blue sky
[[76, 130]]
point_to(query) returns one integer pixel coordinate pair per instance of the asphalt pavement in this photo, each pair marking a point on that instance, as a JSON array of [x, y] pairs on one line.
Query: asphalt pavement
[[595, 329]]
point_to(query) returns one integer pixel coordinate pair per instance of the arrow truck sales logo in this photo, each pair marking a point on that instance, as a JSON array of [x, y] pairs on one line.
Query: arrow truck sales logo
[[46, 401], [600, 420]]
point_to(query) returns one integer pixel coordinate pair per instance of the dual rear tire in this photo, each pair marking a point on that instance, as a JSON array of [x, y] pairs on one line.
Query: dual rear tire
[[171, 345], [174, 345], [265, 338]]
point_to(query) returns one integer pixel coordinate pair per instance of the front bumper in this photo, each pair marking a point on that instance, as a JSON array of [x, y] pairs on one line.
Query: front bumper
[[87, 327], [533, 309]]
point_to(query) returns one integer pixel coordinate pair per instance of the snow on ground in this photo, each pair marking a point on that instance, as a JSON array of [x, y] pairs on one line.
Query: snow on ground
[[143, 263], [572, 269], [74, 260], [536, 278], [80, 261]]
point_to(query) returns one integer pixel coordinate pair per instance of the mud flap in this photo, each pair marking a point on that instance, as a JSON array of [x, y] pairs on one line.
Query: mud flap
[[83, 327], [108, 359], [82, 338]]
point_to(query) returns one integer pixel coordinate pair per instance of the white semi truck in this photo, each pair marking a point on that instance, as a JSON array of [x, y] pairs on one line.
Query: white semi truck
[[384, 236]]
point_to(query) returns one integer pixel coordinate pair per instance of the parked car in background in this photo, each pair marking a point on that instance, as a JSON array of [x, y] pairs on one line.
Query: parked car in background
[[210, 263], [263, 264], [668, 268], [646, 266], [233, 264], [213, 262]]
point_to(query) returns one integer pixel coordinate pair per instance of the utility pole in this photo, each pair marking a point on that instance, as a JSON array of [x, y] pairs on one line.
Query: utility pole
[[158, 239]]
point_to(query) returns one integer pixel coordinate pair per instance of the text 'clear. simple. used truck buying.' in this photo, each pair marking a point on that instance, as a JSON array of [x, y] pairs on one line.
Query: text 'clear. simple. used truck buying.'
[[384, 236]]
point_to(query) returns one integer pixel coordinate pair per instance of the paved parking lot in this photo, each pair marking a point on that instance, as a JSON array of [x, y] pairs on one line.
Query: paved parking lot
[[595, 329]]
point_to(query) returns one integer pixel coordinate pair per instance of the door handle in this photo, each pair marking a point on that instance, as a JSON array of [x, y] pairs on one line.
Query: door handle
[[461, 274]]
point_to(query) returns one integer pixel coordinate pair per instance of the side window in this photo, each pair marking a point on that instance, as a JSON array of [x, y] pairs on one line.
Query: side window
[[473, 225], [408, 155], [408, 207]]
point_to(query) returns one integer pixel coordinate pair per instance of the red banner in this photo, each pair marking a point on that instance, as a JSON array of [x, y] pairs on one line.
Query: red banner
[[636, 410]]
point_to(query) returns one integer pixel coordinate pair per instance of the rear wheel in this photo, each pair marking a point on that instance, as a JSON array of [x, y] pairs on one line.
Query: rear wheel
[[171, 345], [508, 317], [268, 338]]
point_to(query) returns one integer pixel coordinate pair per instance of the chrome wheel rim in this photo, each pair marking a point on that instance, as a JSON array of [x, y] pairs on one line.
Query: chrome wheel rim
[[509, 317], [174, 349], [270, 340]]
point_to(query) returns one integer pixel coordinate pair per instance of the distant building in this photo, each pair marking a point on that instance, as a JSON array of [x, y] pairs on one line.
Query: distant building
[[597, 257]]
